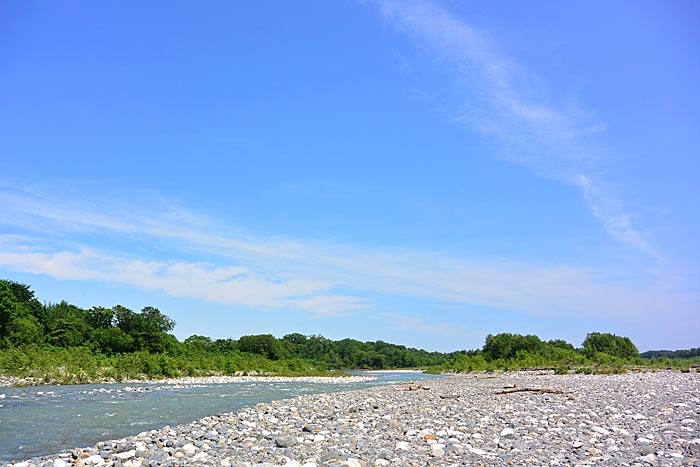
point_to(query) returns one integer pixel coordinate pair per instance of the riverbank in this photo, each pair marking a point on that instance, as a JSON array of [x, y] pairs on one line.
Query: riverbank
[[506, 419], [191, 380]]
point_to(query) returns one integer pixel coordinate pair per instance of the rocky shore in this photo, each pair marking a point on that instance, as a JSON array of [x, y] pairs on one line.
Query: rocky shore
[[634, 419], [9, 381]]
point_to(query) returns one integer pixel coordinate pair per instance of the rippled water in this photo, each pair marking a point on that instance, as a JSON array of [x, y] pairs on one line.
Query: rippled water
[[41, 420]]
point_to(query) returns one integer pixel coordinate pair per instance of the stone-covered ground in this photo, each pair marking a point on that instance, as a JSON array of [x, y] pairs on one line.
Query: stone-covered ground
[[635, 419]]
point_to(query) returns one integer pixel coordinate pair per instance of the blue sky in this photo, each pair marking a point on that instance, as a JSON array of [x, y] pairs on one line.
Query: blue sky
[[419, 172]]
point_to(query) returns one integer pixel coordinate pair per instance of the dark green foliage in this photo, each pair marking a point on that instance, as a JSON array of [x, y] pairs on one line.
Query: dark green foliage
[[609, 344], [19, 315], [25, 321], [64, 343], [507, 345], [266, 345], [689, 353], [602, 353]]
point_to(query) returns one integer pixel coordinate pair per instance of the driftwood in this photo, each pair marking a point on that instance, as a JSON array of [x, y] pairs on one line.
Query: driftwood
[[417, 387], [537, 390], [449, 396]]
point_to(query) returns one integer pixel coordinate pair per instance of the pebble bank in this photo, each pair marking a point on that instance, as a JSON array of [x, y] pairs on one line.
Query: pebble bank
[[522, 419]]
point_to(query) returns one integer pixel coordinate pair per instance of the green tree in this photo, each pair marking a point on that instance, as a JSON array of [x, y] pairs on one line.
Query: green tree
[[506, 345], [198, 343], [263, 344], [99, 317], [610, 344], [65, 324], [25, 330], [154, 329], [7, 308], [113, 340]]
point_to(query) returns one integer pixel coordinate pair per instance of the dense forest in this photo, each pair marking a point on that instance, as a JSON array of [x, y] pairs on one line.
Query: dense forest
[[689, 353], [68, 344]]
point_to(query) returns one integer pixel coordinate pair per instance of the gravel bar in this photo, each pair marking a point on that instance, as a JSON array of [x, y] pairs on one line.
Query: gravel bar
[[521, 419]]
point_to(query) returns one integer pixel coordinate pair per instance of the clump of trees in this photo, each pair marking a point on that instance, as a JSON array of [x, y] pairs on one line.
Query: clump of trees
[[25, 321], [65, 343], [689, 353], [610, 344], [599, 353], [68, 344]]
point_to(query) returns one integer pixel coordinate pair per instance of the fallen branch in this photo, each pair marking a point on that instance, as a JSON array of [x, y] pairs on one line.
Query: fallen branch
[[417, 387], [537, 390], [449, 396]]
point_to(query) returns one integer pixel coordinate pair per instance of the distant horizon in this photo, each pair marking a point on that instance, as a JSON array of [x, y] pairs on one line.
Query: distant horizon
[[423, 172]]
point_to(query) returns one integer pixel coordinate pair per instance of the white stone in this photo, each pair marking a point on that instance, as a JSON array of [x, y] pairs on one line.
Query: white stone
[[402, 446], [319, 438], [507, 433], [95, 460], [59, 463], [199, 456], [437, 450], [381, 462], [189, 448], [600, 430], [352, 462], [123, 455], [478, 452]]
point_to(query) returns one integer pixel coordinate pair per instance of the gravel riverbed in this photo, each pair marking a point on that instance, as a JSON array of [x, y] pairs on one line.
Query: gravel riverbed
[[635, 419]]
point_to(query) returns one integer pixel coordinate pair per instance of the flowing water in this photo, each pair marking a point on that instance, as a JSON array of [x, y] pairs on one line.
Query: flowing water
[[41, 420]]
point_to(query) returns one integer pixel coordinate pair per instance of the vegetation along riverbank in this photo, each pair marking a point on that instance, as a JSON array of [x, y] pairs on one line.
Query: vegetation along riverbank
[[47, 343]]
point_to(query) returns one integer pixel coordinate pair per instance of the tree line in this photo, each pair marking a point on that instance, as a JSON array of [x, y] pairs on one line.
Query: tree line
[[117, 342], [65, 343]]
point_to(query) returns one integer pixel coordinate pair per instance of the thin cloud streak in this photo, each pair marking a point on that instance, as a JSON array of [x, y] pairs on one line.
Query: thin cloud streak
[[323, 279], [501, 105], [438, 328], [226, 285]]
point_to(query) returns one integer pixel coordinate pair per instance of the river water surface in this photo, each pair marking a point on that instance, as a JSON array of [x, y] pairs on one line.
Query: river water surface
[[42, 420]]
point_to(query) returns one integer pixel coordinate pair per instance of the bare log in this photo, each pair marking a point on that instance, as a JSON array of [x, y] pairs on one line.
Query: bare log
[[536, 390]]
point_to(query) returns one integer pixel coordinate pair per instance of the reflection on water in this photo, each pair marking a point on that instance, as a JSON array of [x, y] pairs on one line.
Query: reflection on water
[[42, 420]]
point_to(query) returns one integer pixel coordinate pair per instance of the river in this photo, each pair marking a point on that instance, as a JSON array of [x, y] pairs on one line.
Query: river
[[41, 420]]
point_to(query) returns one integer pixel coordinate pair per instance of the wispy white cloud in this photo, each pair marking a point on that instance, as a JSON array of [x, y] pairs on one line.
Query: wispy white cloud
[[236, 286], [321, 278], [425, 326], [615, 220], [502, 102]]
